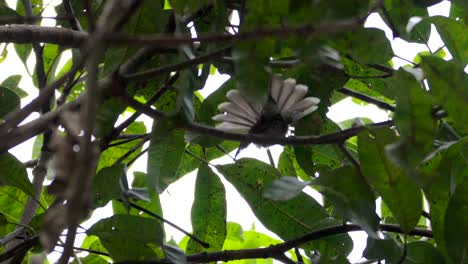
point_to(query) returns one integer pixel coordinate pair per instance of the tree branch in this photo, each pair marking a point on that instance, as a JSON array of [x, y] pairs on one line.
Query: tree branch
[[284, 32], [23, 34], [366, 98], [274, 251]]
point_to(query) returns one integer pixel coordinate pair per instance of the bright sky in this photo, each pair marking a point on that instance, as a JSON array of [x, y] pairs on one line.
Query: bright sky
[[178, 198]]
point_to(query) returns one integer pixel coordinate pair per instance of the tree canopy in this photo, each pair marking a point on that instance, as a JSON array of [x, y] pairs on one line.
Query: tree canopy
[[129, 58]]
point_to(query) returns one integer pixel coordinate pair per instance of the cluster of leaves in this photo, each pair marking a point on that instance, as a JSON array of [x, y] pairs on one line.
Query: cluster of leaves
[[419, 155]]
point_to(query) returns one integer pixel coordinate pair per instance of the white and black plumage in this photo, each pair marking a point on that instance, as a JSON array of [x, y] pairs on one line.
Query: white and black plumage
[[286, 104]]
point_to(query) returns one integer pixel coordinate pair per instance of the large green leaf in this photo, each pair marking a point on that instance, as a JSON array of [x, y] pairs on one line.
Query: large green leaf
[[451, 173], [13, 173], [318, 158], [9, 102], [414, 121], [12, 83], [164, 156], [392, 183], [455, 36], [317, 11], [398, 13], [106, 116], [148, 18], [208, 211], [352, 197], [129, 237], [448, 85], [422, 252], [366, 45], [237, 238], [388, 249], [23, 51], [107, 184], [456, 224], [51, 56], [290, 219]]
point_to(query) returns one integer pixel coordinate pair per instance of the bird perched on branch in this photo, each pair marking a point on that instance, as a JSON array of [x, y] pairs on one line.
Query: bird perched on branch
[[285, 105]]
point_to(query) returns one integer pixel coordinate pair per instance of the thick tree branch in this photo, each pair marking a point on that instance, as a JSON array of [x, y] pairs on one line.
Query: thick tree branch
[[24, 34], [72, 38], [12, 120], [276, 250]]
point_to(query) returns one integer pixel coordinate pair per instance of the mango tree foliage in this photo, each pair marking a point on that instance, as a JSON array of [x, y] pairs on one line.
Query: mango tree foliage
[[84, 90]]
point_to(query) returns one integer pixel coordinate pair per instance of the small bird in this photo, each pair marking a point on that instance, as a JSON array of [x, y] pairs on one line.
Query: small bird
[[285, 105]]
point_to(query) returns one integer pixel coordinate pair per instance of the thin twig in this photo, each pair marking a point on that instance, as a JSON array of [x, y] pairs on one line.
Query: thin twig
[[348, 155], [74, 22], [121, 142], [366, 98], [131, 151], [148, 74], [150, 213], [130, 162], [281, 32], [270, 157]]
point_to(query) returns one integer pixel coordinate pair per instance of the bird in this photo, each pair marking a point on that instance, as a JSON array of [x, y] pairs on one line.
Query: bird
[[286, 104]]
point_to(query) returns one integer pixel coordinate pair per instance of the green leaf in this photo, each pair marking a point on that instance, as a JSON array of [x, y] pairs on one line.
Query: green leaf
[[392, 183], [6, 11], [13, 173], [456, 223], [303, 214], [448, 85], [319, 11], [51, 55], [148, 18], [107, 184], [128, 237], [237, 238], [286, 163], [422, 252], [387, 249], [398, 14], [190, 163], [12, 201], [352, 197], [284, 188], [366, 45], [106, 116], [37, 6], [319, 157], [12, 83], [139, 179], [91, 259], [23, 51], [414, 121], [164, 155], [208, 211], [451, 172], [9, 102], [455, 36]]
